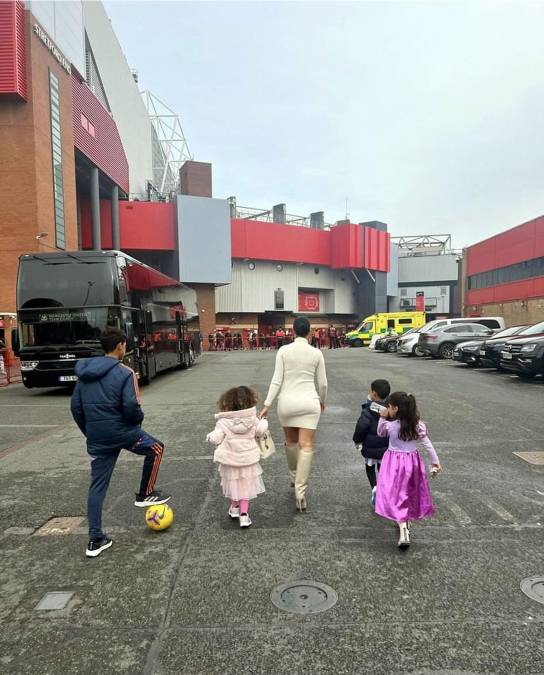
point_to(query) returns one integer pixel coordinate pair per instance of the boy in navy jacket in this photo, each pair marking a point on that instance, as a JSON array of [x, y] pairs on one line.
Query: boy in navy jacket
[[373, 447], [106, 407]]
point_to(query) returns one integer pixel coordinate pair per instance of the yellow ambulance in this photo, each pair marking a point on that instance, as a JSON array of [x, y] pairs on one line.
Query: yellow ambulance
[[399, 322]]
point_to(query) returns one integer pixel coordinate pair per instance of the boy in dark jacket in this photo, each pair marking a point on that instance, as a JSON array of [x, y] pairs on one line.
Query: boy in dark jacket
[[373, 447], [106, 407]]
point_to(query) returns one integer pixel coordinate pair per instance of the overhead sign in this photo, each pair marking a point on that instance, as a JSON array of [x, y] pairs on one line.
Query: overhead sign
[[308, 302], [49, 44]]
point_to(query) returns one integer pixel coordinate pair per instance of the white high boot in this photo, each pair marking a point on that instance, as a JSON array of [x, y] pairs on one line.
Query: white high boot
[[291, 453], [301, 479]]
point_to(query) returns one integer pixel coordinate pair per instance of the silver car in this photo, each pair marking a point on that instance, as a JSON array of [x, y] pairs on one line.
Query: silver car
[[441, 343], [409, 343]]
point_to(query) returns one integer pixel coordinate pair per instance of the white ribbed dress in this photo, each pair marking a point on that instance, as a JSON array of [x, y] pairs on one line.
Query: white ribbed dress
[[298, 367]]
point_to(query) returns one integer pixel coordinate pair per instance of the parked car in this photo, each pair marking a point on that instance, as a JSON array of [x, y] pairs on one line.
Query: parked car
[[524, 356], [470, 352], [490, 350], [409, 343], [494, 322], [441, 343], [388, 343]]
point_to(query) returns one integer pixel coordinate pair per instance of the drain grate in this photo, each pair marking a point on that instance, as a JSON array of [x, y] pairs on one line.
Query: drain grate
[[304, 597], [531, 457], [65, 525], [54, 600], [533, 587]]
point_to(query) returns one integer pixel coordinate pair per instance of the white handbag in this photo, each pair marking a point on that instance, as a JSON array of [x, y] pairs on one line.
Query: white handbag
[[266, 445]]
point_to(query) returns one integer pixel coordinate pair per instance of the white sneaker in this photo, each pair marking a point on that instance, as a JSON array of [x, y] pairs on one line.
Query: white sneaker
[[234, 511], [245, 521], [404, 537]]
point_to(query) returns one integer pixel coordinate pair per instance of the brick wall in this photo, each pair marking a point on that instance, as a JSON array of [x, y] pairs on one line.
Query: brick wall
[[205, 298], [515, 313], [26, 171]]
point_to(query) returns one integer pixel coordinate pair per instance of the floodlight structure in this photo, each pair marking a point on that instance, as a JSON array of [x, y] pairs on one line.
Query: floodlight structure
[[424, 244], [170, 148]]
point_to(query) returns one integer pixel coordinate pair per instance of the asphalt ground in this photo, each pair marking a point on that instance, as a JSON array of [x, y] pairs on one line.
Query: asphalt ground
[[196, 598]]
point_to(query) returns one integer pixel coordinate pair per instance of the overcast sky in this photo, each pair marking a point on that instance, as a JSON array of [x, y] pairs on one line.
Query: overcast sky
[[426, 115]]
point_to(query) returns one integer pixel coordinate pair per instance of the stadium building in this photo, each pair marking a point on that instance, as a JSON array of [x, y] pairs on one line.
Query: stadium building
[[88, 161]]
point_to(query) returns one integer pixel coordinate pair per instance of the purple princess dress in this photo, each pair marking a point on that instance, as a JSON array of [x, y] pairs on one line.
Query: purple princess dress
[[403, 491]]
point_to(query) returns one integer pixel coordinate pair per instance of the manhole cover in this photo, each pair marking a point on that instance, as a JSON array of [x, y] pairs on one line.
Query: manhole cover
[[54, 600], [304, 597], [531, 457], [59, 526], [533, 587]]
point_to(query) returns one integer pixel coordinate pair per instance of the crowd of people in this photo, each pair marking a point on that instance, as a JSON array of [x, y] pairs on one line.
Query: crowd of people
[[224, 339]]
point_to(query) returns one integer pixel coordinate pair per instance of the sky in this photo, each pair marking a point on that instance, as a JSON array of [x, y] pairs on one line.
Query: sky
[[428, 116]]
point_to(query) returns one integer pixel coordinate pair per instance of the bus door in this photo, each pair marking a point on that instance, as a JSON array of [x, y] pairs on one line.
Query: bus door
[[147, 346]]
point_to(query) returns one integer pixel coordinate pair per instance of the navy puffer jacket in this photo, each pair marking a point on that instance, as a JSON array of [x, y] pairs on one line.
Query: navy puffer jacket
[[105, 404], [366, 433]]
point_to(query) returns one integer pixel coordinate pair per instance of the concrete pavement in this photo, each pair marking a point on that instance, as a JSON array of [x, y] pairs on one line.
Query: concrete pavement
[[196, 598]]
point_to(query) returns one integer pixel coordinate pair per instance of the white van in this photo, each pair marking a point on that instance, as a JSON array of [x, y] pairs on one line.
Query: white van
[[493, 322]]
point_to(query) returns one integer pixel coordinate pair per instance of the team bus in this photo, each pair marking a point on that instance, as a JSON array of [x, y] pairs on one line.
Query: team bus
[[65, 300]]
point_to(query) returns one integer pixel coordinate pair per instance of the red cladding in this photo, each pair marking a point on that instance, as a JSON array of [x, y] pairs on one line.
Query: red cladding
[[339, 248], [377, 250], [308, 302], [12, 49], [517, 290], [143, 226], [96, 134], [272, 241], [523, 242], [346, 246]]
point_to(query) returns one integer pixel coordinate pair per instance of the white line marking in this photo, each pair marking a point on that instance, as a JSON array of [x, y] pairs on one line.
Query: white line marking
[[33, 426], [499, 510], [461, 515]]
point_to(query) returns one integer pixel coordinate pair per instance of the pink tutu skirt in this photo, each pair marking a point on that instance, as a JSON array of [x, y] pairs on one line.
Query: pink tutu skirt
[[403, 491], [241, 482]]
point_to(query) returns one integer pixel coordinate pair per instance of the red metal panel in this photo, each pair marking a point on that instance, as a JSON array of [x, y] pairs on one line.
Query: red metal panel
[[519, 290], [520, 243], [13, 49], [104, 148], [143, 226], [273, 241], [377, 250], [346, 246], [147, 226]]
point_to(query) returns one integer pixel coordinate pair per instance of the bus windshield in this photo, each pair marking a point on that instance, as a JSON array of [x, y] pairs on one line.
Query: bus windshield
[[65, 282], [64, 326], [366, 327]]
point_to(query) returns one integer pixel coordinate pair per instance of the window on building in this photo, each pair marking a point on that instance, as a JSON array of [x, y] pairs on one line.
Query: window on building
[[87, 125], [527, 269], [403, 292], [56, 147]]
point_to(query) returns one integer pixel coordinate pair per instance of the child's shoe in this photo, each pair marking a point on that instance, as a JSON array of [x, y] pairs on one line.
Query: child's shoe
[[373, 496], [245, 520], [404, 537], [234, 511]]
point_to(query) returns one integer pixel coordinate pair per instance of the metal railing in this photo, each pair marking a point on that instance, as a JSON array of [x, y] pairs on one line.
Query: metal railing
[[10, 368]]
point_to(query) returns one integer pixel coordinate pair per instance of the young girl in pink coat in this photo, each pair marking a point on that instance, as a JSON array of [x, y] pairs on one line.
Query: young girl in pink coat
[[237, 454]]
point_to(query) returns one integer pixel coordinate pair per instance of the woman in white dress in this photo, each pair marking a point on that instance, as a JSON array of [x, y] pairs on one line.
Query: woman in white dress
[[300, 404]]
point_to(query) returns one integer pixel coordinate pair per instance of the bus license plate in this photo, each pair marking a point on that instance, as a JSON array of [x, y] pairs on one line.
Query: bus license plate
[[68, 378], [506, 356]]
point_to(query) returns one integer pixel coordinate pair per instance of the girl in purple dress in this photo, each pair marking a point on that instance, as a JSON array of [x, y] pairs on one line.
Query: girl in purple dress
[[403, 492]]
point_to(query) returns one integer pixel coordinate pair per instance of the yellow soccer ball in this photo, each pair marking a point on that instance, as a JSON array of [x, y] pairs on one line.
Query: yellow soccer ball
[[159, 517]]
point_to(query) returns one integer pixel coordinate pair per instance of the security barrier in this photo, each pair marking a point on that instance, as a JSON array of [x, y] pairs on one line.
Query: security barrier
[[10, 368]]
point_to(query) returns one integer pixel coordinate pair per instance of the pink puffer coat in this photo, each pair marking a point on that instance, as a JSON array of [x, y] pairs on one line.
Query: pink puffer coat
[[234, 434]]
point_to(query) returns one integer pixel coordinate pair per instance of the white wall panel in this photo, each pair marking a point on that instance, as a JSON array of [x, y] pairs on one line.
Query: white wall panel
[[253, 290], [63, 22], [428, 268], [127, 106]]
